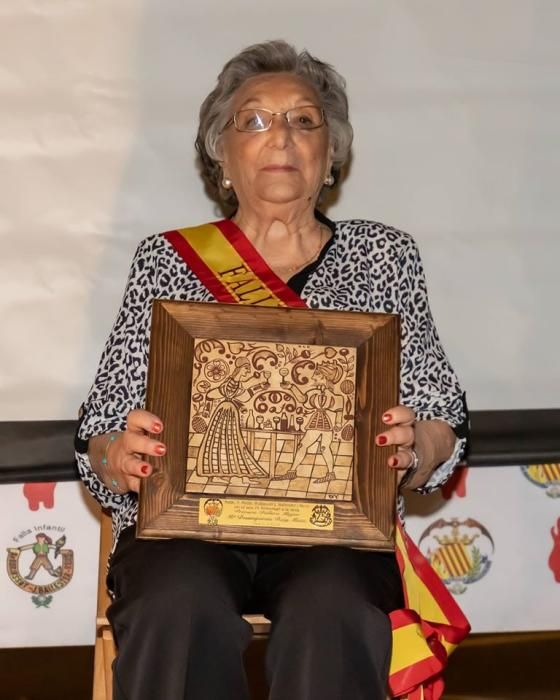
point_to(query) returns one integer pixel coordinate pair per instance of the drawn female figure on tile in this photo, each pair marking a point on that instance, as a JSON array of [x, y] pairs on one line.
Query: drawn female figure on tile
[[224, 455]]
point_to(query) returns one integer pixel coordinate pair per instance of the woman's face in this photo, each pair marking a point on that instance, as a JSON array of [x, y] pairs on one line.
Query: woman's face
[[282, 165]]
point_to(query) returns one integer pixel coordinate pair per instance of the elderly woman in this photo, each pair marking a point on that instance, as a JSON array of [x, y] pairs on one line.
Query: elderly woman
[[273, 134]]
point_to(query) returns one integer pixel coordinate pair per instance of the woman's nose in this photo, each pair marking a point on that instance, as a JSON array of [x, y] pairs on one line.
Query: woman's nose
[[280, 132]]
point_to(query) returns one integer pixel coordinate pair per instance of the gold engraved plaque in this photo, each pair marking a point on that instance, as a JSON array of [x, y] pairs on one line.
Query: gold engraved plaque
[[274, 514]]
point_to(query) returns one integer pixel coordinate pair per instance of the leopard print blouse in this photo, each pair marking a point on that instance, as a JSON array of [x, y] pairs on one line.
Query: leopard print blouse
[[367, 267]]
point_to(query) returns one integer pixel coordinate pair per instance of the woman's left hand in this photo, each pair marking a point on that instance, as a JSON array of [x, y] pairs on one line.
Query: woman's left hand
[[401, 432]]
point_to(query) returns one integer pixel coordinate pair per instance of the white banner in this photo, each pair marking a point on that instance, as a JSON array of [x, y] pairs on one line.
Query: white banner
[[493, 535], [49, 535], [495, 541]]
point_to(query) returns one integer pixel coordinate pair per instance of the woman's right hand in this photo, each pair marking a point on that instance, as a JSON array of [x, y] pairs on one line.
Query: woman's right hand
[[125, 466]]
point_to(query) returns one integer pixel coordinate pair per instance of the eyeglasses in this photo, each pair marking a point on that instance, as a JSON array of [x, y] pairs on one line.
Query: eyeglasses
[[252, 120]]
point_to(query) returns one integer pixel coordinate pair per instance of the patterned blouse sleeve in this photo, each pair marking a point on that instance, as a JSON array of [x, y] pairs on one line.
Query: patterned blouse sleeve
[[120, 381], [428, 383]]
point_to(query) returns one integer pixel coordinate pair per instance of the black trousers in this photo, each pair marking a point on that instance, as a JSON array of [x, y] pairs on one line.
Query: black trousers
[[177, 620]]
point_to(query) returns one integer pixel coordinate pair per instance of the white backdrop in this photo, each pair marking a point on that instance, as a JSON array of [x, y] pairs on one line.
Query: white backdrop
[[455, 106]]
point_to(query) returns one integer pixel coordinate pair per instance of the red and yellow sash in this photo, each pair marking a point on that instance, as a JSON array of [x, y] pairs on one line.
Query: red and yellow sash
[[431, 625], [226, 263]]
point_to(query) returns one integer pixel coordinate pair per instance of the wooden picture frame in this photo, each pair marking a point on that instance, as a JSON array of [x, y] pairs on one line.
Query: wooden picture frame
[[316, 349]]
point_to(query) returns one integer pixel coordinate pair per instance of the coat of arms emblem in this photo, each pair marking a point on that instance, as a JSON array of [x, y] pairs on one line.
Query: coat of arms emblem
[[459, 550], [545, 476], [41, 567]]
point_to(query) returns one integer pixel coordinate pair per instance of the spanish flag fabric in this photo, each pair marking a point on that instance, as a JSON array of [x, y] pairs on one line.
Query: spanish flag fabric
[[431, 624]]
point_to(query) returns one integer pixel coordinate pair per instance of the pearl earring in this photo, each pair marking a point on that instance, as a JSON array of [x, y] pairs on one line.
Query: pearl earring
[[227, 183], [329, 180]]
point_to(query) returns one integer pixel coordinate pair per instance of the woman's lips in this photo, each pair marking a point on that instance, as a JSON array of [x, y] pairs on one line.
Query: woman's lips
[[279, 168]]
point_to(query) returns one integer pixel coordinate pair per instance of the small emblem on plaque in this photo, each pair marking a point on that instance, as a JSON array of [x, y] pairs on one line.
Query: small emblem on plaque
[[320, 516], [213, 508]]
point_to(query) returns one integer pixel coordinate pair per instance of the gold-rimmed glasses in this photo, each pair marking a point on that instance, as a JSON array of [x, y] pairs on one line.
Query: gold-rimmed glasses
[[253, 120]]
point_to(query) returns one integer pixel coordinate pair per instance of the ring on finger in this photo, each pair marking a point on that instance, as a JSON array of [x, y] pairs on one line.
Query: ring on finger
[[412, 467], [414, 460]]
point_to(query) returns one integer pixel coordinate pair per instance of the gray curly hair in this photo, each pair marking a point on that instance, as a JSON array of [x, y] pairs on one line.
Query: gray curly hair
[[270, 57]]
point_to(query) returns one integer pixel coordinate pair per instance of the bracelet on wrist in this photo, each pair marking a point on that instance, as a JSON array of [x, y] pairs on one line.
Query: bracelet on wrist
[[104, 461], [110, 441]]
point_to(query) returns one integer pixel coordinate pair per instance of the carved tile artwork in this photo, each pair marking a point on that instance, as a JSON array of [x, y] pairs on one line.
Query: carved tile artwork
[[272, 419]]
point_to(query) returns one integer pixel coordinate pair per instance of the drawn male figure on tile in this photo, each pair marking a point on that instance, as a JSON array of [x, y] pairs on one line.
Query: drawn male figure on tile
[[324, 407]]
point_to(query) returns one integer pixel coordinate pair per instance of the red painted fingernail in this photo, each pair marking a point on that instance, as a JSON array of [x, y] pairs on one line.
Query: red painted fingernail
[[381, 440], [160, 449], [393, 461], [387, 417], [144, 469], [157, 428]]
